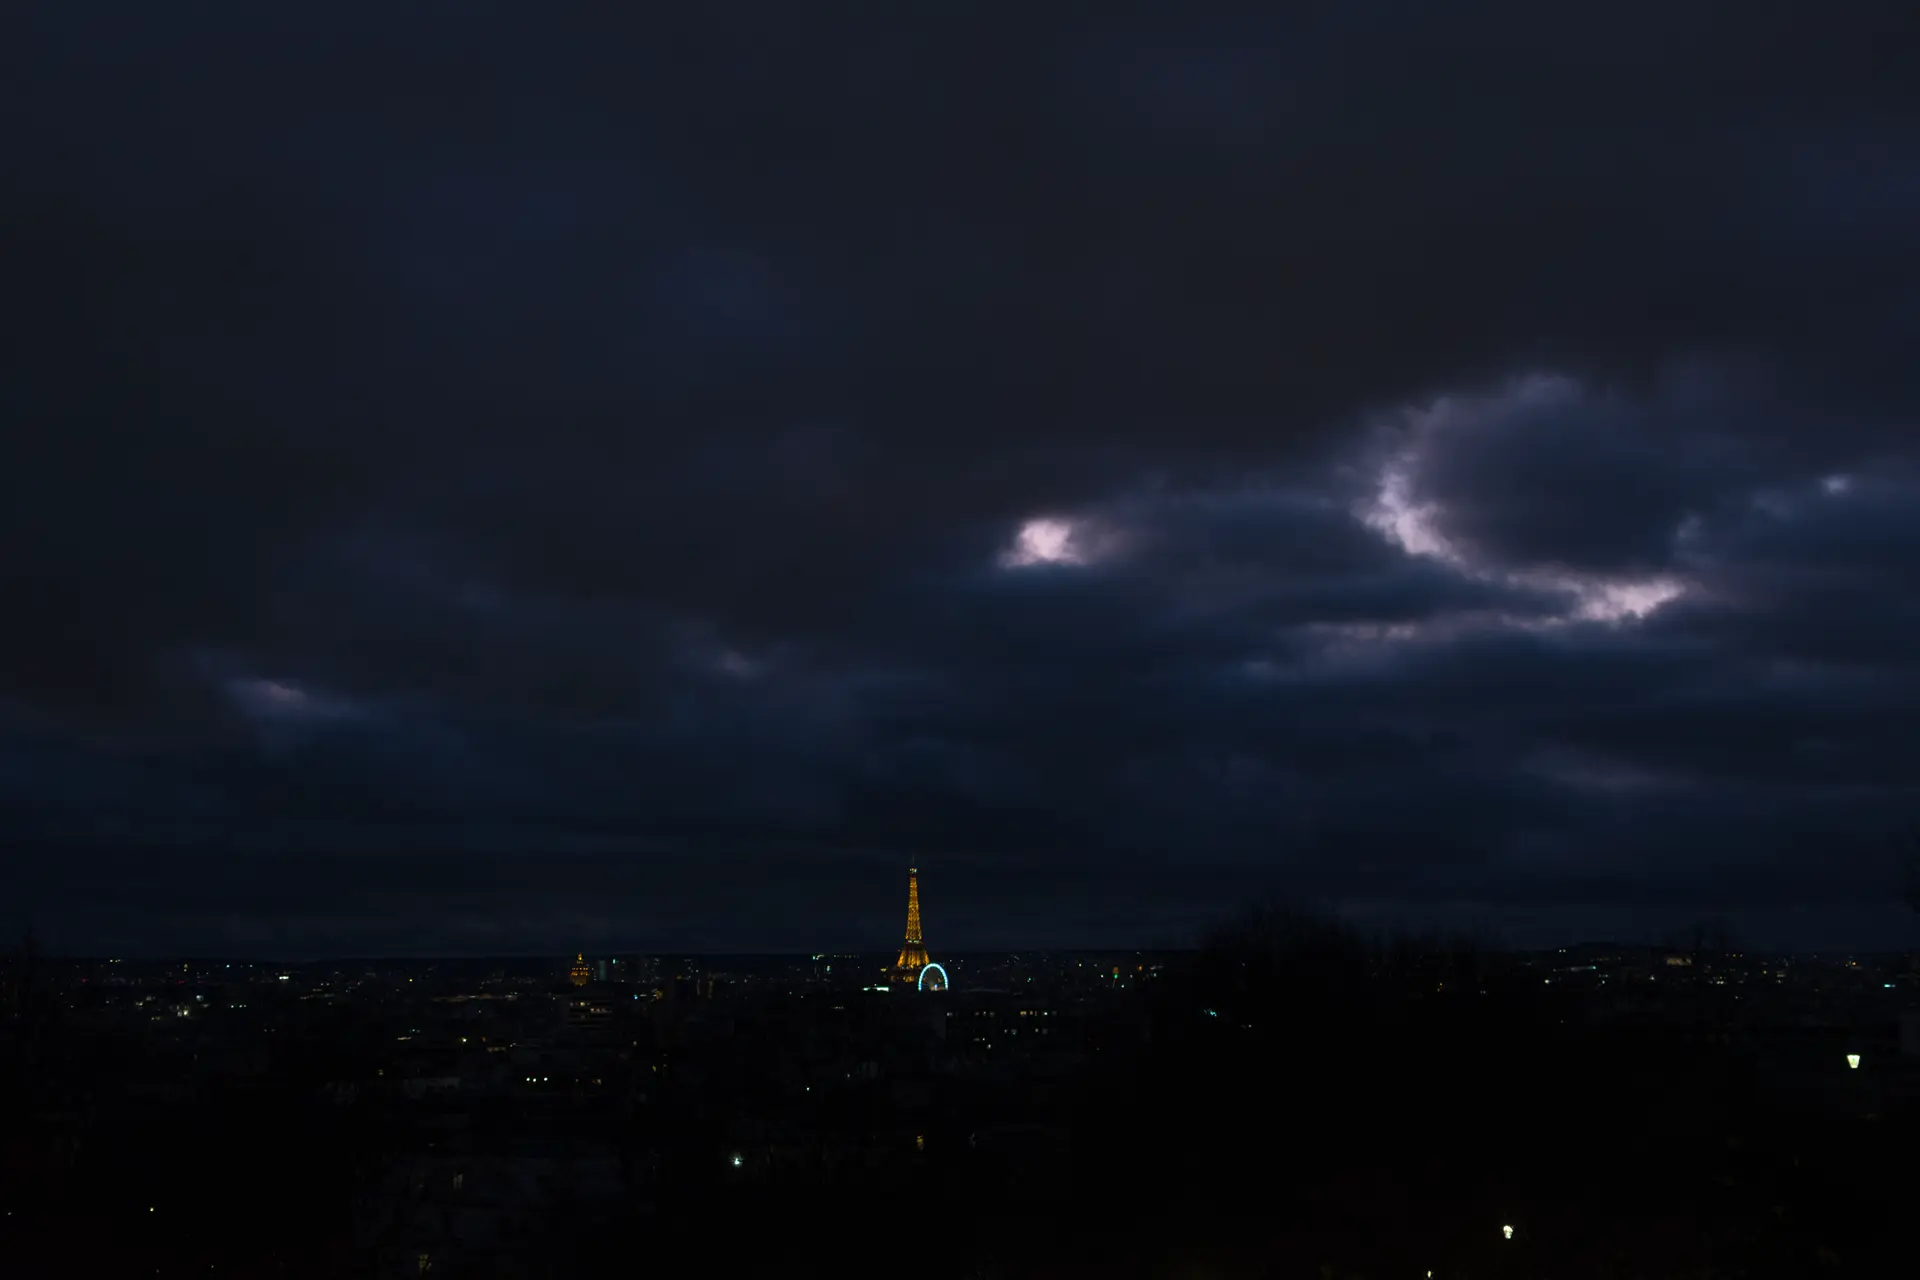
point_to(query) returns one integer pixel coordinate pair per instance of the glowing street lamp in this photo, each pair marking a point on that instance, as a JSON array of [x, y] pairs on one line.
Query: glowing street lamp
[[1506, 1233], [1853, 1062]]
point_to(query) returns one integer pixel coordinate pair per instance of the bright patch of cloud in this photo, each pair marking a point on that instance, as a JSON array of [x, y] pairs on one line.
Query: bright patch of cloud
[[1620, 600], [276, 693], [282, 704], [1045, 540], [1410, 525], [1417, 528]]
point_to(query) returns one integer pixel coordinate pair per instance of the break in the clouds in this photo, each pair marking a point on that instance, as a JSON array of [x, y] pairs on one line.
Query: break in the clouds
[[512, 480], [1574, 501]]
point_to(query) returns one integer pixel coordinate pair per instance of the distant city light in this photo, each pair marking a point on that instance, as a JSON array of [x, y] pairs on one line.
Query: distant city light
[[1506, 1232], [1853, 1061], [736, 1160]]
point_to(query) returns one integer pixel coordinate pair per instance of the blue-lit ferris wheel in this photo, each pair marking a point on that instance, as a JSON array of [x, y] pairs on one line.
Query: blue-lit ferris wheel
[[933, 978]]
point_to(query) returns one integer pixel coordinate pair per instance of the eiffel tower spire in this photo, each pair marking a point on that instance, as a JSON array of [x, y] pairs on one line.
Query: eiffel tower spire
[[913, 954]]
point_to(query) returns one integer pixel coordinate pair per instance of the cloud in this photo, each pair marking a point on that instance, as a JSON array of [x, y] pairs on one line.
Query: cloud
[[1046, 540], [1414, 460]]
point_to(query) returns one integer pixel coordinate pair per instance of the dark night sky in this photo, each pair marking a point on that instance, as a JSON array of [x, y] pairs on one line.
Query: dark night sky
[[484, 477]]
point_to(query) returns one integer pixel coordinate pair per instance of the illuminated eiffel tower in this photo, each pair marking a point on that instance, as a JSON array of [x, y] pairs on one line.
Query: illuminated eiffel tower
[[913, 953]]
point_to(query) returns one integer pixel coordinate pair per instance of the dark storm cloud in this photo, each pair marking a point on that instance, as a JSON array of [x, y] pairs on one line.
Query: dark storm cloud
[[512, 456]]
